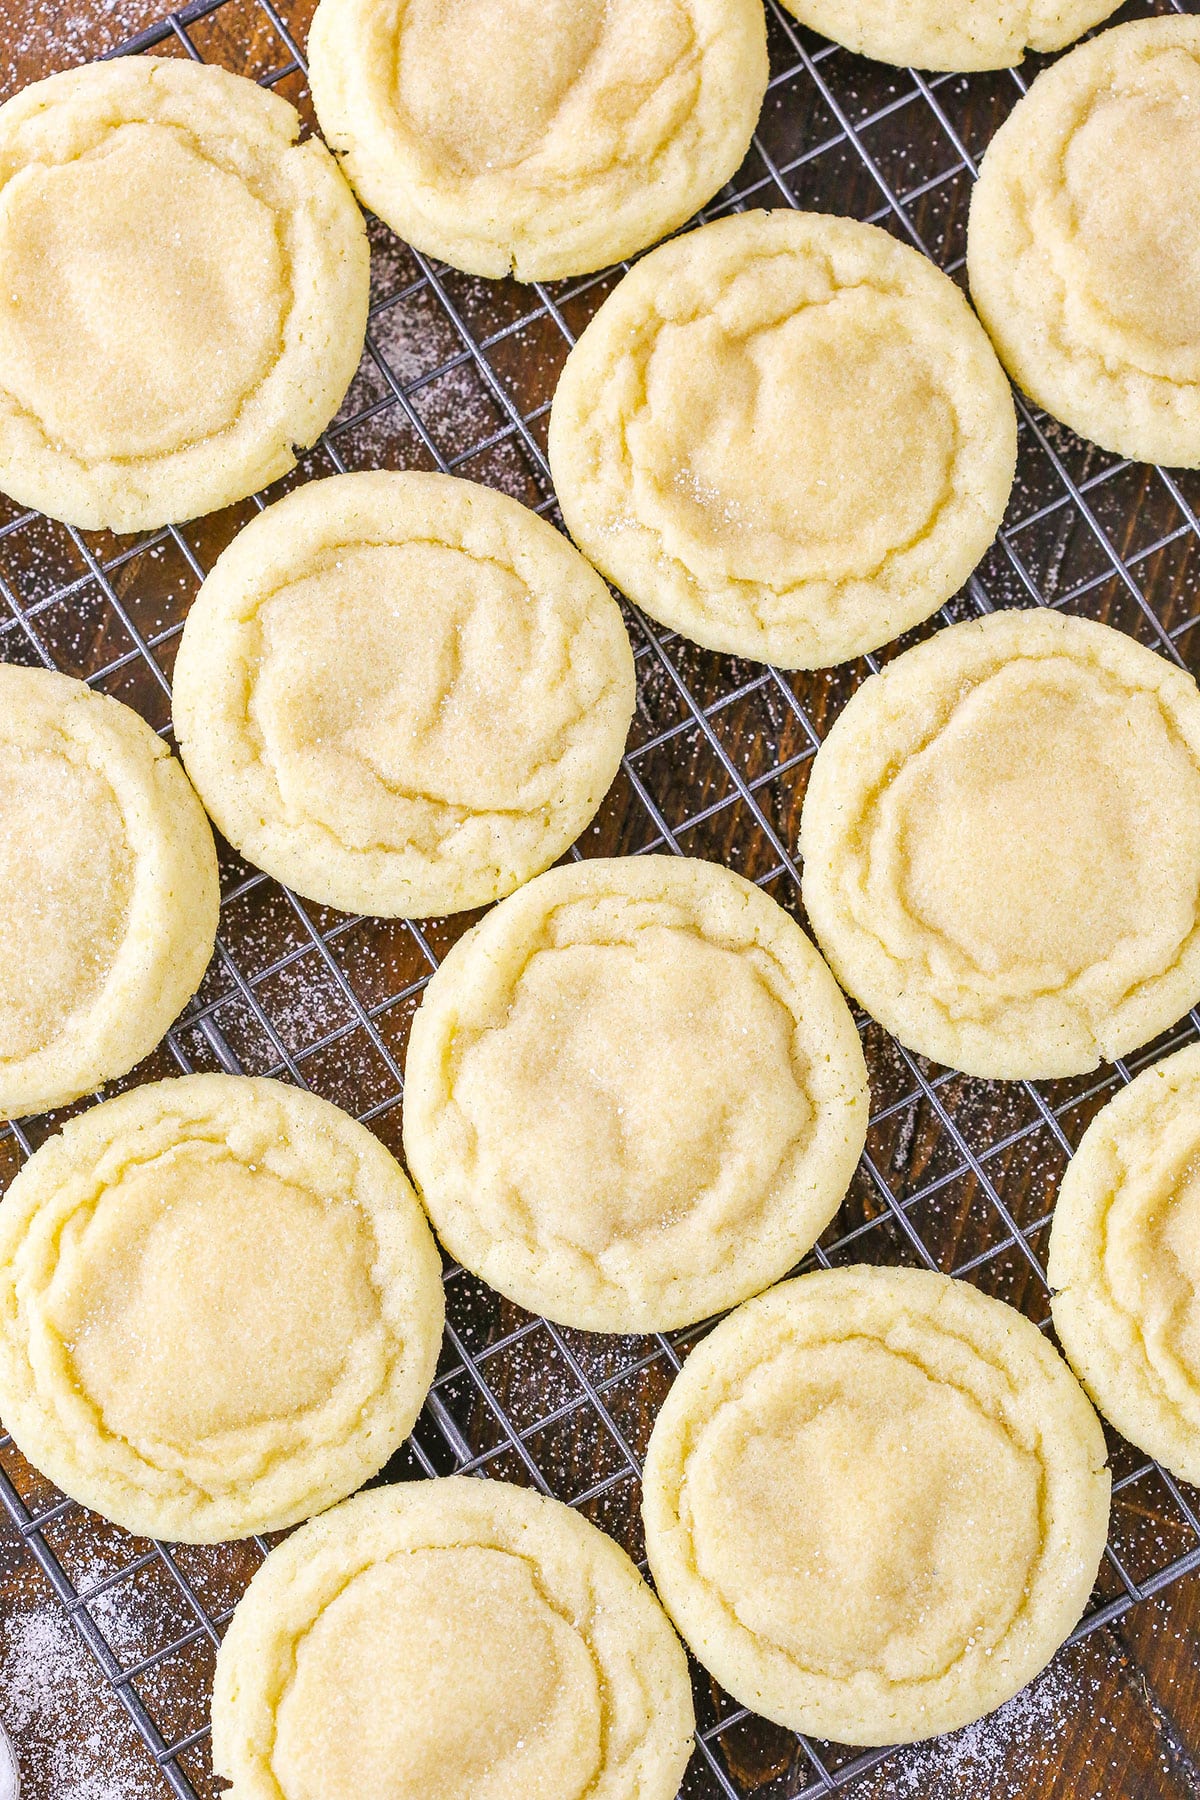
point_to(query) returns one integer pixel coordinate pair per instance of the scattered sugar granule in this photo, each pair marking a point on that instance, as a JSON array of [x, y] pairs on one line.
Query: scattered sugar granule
[[995, 1758], [71, 1735], [32, 46]]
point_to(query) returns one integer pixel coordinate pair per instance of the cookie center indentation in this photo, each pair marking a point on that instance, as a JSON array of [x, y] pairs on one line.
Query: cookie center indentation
[[441, 1673], [66, 881], [143, 295]]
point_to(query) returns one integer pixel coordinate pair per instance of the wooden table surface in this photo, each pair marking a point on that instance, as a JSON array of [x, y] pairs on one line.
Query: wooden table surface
[[1117, 1714]]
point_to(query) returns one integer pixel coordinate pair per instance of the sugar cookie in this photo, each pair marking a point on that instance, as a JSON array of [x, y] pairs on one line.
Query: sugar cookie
[[1084, 241], [108, 890], [184, 296], [220, 1307], [786, 435], [633, 1094], [539, 138], [402, 694], [875, 1503], [1124, 1263], [445, 1638], [1001, 842], [951, 34]]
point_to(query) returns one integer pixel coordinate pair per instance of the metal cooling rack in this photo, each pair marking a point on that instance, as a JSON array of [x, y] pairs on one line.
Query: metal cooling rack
[[958, 1174]]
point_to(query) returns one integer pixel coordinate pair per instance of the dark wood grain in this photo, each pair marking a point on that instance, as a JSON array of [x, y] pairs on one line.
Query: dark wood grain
[[718, 759]]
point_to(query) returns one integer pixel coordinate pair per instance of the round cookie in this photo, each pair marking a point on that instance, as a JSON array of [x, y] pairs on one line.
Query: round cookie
[[1083, 243], [1001, 842], [1124, 1264], [633, 1094], [220, 1307], [786, 436], [108, 890], [537, 138], [185, 291], [402, 694], [445, 1638], [953, 1514], [951, 34]]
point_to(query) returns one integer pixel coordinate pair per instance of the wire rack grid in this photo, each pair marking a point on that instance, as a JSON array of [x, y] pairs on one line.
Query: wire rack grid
[[958, 1175]]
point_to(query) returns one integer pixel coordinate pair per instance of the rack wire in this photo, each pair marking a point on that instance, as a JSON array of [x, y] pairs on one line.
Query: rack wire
[[958, 1175]]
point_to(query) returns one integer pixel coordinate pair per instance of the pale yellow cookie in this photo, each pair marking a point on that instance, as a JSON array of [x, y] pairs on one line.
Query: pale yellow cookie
[[951, 34], [1001, 842], [875, 1503], [1125, 1262], [108, 890], [402, 694], [786, 435], [445, 1639], [537, 138], [1084, 241], [633, 1094], [220, 1307], [184, 294]]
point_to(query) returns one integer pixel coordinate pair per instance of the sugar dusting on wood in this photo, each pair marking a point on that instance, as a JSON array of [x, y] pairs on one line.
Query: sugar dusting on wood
[[996, 1755], [27, 50], [1016, 1752], [70, 1735]]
